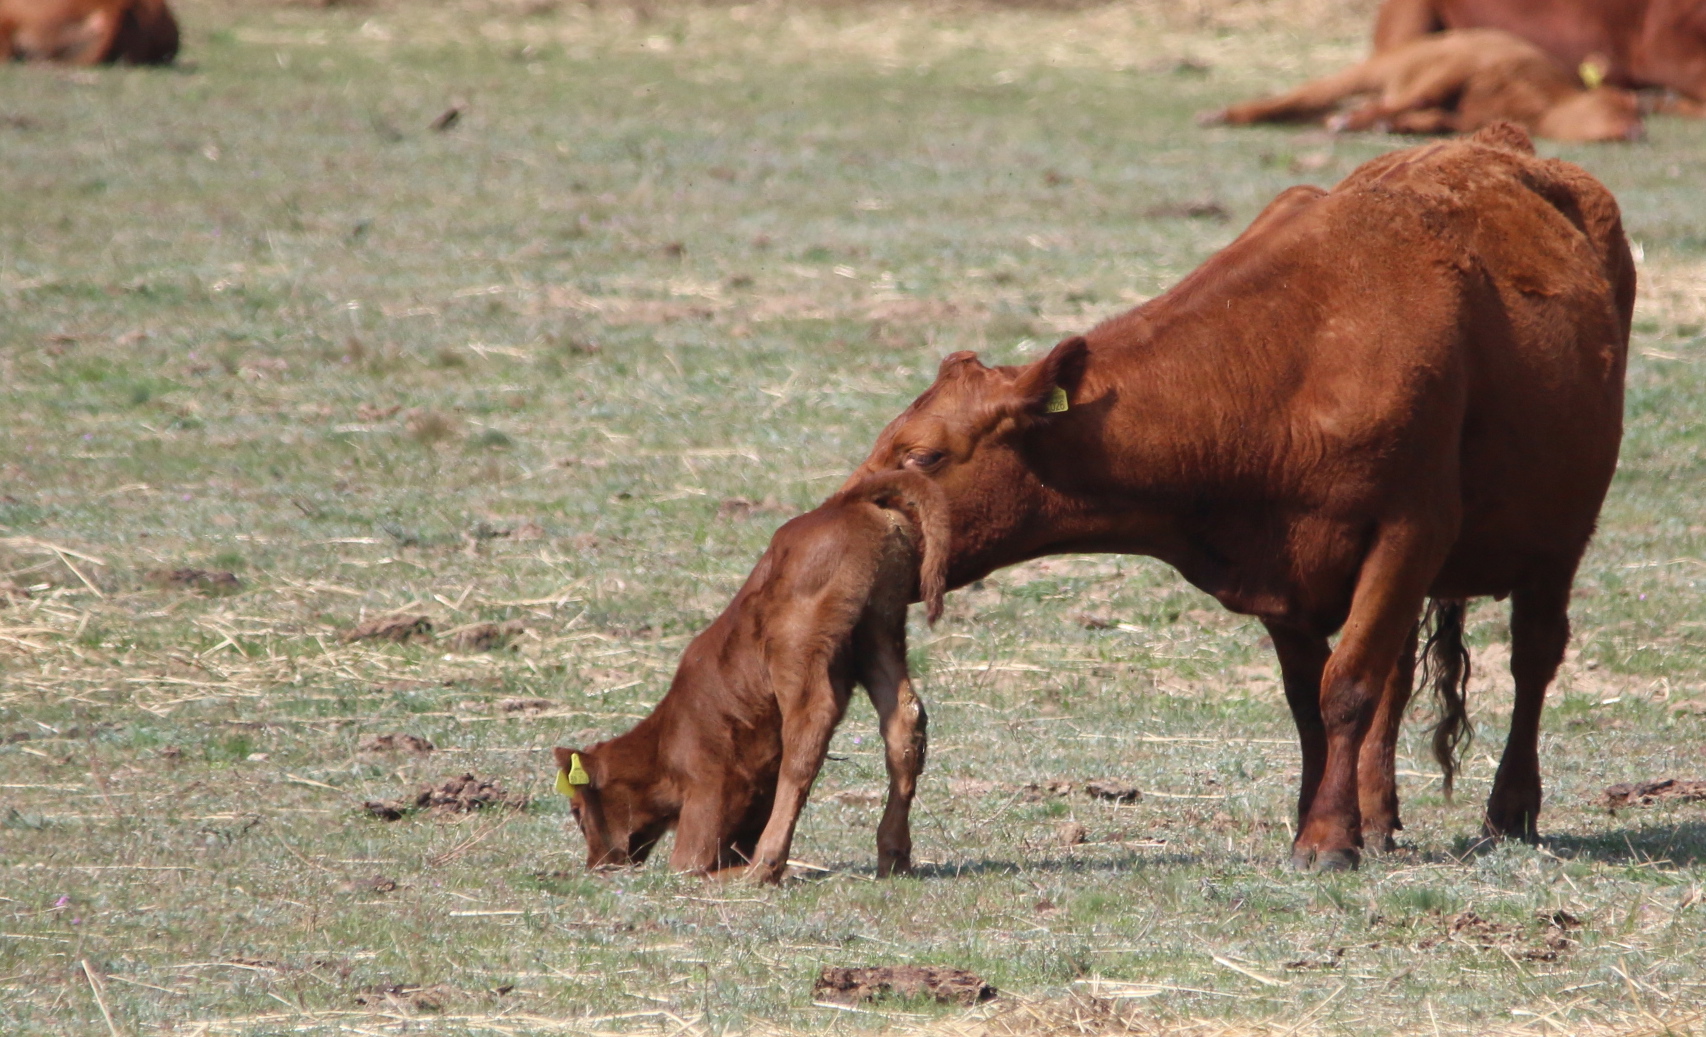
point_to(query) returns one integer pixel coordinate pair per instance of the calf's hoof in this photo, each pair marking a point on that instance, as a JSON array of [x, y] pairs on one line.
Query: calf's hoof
[[1313, 861], [888, 867], [1377, 841]]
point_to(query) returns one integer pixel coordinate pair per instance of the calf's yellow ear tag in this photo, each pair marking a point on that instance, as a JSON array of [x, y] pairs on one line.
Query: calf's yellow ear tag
[[1592, 75], [1056, 401], [575, 775]]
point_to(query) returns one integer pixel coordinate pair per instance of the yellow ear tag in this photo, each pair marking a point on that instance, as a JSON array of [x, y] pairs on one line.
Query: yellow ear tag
[[563, 785], [1056, 401], [575, 775], [1592, 75]]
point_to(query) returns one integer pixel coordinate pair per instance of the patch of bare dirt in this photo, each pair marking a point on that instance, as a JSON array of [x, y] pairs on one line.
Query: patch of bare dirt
[[947, 985], [1646, 793], [1030, 791], [371, 884], [483, 637], [1071, 833], [525, 707], [460, 795], [742, 508], [1469, 928], [407, 995], [1113, 791], [391, 743], [11, 592], [197, 581], [398, 628]]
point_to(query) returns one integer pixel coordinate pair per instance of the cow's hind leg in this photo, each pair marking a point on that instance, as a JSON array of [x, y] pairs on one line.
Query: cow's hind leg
[[901, 716], [1377, 766], [1388, 597], [1540, 630]]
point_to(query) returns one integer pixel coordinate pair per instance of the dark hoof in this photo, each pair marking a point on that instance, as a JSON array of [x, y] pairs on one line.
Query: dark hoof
[[1375, 843], [1322, 861], [1525, 830]]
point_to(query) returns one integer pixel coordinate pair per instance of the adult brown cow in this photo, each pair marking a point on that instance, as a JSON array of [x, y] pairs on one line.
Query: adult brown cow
[[88, 32], [1410, 386], [1639, 42]]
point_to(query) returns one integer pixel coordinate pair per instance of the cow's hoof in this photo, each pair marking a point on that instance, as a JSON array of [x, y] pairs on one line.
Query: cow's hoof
[[1321, 861], [1377, 842], [1522, 828]]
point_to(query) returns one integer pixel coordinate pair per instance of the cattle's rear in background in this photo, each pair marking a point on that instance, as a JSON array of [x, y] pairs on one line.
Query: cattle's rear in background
[[88, 32], [1408, 387]]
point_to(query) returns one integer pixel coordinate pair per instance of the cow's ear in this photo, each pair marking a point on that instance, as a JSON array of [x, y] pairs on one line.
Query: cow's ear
[[1046, 386], [953, 362], [572, 771]]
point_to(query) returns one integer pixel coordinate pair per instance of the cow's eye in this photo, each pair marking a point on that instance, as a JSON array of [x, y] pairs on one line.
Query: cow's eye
[[924, 458]]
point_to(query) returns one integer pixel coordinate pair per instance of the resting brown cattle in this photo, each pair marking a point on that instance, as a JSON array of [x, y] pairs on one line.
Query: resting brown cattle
[[1455, 82], [1640, 42], [88, 32], [1410, 386], [730, 753]]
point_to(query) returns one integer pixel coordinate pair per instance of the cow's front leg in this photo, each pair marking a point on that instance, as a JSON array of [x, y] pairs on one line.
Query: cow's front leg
[[806, 727], [1384, 606], [1302, 657], [901, 716]]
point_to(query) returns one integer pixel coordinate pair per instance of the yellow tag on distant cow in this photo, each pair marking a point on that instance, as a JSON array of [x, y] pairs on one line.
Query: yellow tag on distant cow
[[1592, 75], [1056, 401], [563, 785]]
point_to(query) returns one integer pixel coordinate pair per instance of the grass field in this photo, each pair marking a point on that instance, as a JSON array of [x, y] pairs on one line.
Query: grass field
[[566, 362]]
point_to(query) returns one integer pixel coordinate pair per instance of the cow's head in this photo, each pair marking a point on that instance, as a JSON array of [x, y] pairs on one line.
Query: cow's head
[[967, 434], [618, 814], [1605, 113]]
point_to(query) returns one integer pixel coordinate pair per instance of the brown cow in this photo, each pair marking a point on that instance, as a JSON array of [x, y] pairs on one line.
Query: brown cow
[[1641, 43], [88, 32], [1410, 386], [1455, 82], [730, 753]]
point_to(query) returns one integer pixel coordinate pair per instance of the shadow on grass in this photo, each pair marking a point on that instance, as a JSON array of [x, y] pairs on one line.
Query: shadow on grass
[[1682, 844]]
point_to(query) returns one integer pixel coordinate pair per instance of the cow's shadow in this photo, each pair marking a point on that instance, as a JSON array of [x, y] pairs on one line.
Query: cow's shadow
[[1682, 844]]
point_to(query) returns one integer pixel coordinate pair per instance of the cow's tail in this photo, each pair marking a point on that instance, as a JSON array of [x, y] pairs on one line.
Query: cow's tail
[[924, 503], [1445, 668]]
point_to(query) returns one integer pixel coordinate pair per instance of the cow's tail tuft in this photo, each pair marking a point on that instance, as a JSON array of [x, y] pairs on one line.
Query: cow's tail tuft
[[924, 503], [1445, 668]]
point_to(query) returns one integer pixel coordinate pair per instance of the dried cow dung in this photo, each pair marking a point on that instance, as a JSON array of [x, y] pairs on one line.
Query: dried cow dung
[[1646, 793], [390, 743], [386, 809], [200, 581], [530, 706], [391, 628], [483, 637], [949, 986], [467, 793], [1114, 791]]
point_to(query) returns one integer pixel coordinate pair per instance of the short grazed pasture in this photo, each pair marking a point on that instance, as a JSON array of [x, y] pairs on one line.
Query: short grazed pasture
[[565, 362]]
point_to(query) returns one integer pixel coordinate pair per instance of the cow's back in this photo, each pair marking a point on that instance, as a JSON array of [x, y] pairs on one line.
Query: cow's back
[[1548, 289]]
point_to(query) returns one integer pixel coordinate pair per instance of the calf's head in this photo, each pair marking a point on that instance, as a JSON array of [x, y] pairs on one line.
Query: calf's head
[[968, 434], [620, 815]]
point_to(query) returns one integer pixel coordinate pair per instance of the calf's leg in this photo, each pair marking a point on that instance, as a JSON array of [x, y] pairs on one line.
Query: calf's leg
[[1540, 630], [900, 713], [1388, 597], [807, 723]]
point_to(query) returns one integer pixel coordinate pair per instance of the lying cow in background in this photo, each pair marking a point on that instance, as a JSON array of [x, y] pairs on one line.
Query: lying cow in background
[[1643, 43], [1456, 82], [1408, 387], [88, 32], [728, 756]]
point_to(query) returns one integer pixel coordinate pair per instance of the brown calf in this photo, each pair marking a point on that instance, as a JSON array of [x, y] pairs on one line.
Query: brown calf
[[1639, 43], [728, 756], [88, 32], [1456, 82], [1408, 387]]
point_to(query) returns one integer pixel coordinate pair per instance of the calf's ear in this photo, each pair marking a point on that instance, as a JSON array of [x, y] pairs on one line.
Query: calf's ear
[[571, 769], [1045, 387], [954, 361]]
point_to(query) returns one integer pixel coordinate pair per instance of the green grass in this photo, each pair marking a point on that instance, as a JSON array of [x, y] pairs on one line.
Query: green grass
[[256, 316]]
